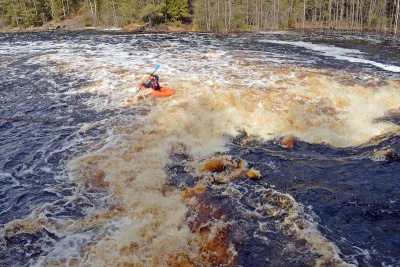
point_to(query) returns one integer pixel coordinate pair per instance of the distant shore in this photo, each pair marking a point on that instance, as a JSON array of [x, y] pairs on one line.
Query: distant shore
[[76, 23]]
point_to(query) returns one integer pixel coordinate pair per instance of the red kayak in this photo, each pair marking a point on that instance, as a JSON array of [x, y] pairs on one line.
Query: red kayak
[[165, 91]]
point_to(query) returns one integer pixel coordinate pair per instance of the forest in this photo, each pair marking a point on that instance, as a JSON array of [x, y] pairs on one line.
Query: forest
[[210, 15]]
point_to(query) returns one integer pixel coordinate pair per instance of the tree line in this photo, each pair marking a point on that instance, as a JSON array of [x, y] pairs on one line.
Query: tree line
[[211, 15], [228, 15], [24, 13]]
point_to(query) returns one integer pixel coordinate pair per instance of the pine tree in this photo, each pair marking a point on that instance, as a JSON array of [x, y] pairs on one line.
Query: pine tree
[[178, 9]]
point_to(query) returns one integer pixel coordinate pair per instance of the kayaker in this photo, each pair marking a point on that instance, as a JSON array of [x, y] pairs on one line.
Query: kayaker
[[153, 83]]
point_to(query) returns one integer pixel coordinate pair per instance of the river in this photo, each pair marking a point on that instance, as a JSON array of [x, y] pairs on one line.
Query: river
[[278, 149]]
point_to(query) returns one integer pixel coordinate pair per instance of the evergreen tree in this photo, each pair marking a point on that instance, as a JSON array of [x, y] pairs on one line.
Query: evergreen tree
[[178, 9], [211, 15]]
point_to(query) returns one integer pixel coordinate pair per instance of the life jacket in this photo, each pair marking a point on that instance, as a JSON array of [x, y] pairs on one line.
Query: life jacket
[[154, 84]]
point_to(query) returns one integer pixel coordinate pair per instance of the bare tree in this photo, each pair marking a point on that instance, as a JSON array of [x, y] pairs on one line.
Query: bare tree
[[396, 23]]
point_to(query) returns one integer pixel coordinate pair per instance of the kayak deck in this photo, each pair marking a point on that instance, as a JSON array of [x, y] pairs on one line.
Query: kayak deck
[[165, 91]]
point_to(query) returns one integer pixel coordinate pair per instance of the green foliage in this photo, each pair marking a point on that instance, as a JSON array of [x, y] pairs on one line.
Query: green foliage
[[87, 21], [239, 21], [208, 15], [178, 9], [152, 13], [25, 13], [126, 13], [291, 22]]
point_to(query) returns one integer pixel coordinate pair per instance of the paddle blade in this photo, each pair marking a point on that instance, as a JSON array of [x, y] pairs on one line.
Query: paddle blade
[[158, 66]]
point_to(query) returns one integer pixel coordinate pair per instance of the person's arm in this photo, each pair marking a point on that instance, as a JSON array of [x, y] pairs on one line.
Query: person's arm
[[147, 85]]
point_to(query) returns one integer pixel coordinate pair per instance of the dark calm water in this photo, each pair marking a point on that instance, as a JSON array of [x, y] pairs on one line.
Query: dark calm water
[[63, 95]]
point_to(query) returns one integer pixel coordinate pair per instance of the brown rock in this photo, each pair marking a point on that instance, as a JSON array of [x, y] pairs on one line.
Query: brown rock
[[288, 142], [253, 174], [199, 189]]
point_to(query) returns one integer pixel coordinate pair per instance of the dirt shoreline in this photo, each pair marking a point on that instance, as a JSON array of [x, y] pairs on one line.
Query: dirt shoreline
[[76, 23], [58, 28]]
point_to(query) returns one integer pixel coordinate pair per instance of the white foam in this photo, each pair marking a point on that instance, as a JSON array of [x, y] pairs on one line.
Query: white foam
[[351, 55], [69, 248], [207, 106]]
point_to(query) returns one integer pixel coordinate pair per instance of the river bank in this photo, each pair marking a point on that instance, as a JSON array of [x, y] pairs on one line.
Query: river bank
[[77, 23]]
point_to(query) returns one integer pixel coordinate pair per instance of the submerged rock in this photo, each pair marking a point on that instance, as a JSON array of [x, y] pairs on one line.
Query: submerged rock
[[288, 142], [386, 155], [254, 174]]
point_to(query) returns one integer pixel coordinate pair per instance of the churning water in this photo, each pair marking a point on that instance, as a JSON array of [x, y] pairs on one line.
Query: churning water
[[93, 173]]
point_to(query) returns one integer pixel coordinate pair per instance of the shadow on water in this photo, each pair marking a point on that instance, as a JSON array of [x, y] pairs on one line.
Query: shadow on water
[[354, 200]]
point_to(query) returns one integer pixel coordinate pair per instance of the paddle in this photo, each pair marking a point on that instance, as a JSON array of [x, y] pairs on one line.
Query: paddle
[[158, 66]]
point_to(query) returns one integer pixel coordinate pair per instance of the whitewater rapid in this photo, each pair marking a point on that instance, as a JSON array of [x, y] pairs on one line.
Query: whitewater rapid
[[122, 161]]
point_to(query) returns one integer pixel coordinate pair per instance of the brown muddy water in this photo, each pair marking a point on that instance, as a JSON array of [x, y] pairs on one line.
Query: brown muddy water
[[278, 149]]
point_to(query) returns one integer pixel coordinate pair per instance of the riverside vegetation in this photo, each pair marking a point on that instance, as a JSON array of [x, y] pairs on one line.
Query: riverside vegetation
[[210, 15]]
